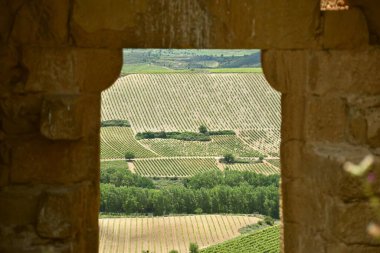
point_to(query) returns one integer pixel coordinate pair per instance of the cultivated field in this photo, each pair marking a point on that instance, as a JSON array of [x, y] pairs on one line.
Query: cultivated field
[[180, 102], [162, 234], [260, 168], [219, 146], [168, 167], [116, 141], [244, 103], [262, 241]]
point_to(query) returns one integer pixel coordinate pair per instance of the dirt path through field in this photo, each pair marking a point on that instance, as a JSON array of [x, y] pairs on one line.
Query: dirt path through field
[[131, 167]]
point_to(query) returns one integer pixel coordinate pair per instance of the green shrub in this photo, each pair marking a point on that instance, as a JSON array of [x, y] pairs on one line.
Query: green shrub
[[269, 220], [202, 129], [194, 248], [129, 156], [222, 132], [173, 251], [229, 158], [115, 122]]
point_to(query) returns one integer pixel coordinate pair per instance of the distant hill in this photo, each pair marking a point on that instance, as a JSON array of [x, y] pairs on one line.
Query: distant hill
[[169, 60]]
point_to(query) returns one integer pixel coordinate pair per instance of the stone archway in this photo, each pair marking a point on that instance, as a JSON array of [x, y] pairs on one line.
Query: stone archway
[[325, 64]]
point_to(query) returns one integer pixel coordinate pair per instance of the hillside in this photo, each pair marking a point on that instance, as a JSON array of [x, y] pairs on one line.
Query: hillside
[[242, 102]]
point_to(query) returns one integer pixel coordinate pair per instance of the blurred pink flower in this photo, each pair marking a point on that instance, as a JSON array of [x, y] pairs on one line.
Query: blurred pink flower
[[371, 178], [373, 230]]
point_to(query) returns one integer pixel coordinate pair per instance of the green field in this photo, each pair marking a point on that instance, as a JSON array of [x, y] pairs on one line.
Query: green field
[[113, 164], [219, 146], [116, 141], [260, 168], [263, 241], [174, 167]]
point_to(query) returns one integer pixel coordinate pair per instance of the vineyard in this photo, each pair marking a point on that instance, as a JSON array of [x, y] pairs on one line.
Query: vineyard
[[274, 162], [266, 240], [260, 168], [217, 147], [244, 103], [162, 234], [116, 141], [181, 102], [174, 167]]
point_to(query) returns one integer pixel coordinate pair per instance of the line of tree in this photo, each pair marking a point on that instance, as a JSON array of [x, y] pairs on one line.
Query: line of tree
[[210, 192]]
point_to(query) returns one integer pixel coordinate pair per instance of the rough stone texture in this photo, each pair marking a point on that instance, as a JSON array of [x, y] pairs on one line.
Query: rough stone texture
[[326, 123], [61, 117], [57, 56]]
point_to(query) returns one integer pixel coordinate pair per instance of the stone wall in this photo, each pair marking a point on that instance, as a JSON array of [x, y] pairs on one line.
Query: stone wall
[[57, 56]]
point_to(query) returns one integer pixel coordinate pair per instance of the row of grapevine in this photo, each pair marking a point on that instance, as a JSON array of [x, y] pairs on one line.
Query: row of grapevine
[[174, 167], [182, 101], [265, 140], [274, 162], [116, 141], [219, 146], [162, 234], [260, 168], [266, 240]]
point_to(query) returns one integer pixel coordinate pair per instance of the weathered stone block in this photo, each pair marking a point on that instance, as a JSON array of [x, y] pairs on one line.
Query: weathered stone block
[[20, 114], [344, 29], [63, 162], [364, 116], [325, 119], [54, 217], [61, 117], [348, 222], [41, 22], [354, 72], [71, 70], [195, 24], [19, 205]]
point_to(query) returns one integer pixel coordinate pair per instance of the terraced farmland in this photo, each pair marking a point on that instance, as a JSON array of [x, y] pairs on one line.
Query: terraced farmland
[[116, 141], [260, 168], [162, 234], [174, 167], [219, 146], [266, 240]]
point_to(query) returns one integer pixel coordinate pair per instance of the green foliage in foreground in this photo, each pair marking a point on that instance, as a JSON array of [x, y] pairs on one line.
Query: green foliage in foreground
[[266, 240], [118, 176], [194, 248], [229, 192]]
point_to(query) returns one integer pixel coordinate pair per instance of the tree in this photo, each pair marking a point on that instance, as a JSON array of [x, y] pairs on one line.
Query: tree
[[203, 129], [229, 158], [194, 248], [129, 155]]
